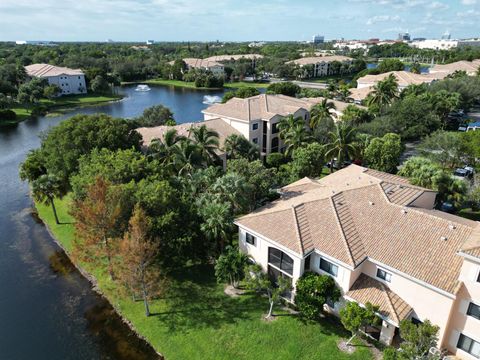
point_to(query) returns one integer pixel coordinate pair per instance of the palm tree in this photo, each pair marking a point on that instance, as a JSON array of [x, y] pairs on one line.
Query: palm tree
[[217, 222], [342, 144], [321, 111], [163, 149], [207, 142], [384, 92], [186, 157], [287, 123], [238, 146], [45, 189], [295, 138]]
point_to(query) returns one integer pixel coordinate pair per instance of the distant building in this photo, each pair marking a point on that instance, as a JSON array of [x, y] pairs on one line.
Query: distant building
[[470, 67], [203, 64], [435, 44], [404, 79], [351, 45], [38, 43], [322, 64], [446, 36], [318, 39], [257, 44], [404, 36], [70, 81], [469, 42], [150, 42]]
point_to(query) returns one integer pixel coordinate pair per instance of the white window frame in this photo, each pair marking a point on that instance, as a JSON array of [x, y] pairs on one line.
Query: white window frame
[[330, 262], [253, 237], [388, 275]]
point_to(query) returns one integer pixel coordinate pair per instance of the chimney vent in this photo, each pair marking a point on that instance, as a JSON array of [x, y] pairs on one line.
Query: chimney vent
[[444, 238]]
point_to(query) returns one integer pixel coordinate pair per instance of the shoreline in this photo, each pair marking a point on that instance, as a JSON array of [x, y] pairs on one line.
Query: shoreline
[[59, 109], [93, 281]]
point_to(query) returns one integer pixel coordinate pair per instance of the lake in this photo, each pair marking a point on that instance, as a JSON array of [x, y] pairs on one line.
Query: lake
[[47, 309]]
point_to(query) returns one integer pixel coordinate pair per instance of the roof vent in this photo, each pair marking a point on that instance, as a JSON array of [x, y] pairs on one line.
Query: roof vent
[[452, 226], [371, 203], [348, 184], [404, 211], [444, 238]]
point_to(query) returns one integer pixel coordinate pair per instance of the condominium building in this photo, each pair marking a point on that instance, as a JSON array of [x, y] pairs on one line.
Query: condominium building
[[203, 64], [322, 64], [470, 67], [404, 79], [70, 81], [380, 239]]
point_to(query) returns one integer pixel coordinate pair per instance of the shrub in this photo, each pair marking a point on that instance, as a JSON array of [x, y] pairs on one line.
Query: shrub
[[7, 115]]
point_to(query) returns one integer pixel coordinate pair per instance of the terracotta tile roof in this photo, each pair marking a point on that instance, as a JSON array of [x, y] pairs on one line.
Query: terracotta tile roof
[[470, 67], [46, 70], [260, 107], [357, 213], [319, 59], [366, 289], [404, 78], [220, 126], [199, 63], [360, 94], [220, 58]]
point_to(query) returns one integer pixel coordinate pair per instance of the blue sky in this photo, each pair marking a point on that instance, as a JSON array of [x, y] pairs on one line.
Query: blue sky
[[234, 20]]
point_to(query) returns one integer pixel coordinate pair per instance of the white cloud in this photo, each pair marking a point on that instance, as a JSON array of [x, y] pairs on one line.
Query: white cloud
[[469, 2], [382, 18], [435, 5]]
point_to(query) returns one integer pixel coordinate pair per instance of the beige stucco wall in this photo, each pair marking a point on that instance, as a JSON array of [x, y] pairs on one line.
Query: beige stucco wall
[[460, 322], [259, 252], [344, 274], [426, 303]]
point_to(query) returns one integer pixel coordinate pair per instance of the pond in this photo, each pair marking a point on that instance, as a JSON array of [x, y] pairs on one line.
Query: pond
[[47, 309]]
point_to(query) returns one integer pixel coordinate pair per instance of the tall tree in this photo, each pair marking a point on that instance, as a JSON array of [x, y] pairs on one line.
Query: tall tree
[[230, 266], [237, 146], [163, 149], [342, 144], [217, 223], [323, 110], [207, 143], [295, 138], [45, 189], [96, 226], [384, 92], [384, 153], [138, 252]]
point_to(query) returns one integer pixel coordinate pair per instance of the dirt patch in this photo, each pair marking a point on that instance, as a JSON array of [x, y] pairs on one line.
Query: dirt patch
[[268, 319], [342, 345], [233, 292]]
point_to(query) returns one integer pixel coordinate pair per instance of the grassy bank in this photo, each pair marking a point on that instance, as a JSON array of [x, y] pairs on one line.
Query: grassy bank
[[63, 103], [191, 85], [194, 319]]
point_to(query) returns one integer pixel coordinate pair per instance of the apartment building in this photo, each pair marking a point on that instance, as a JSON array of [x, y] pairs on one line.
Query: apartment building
[[257, 117], [382, 241], [203, 64], [470, 67], [70, 81], [404, 78], [322, 64]]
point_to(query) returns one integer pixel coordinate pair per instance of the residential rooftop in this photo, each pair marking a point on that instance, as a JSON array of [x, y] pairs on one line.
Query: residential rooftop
[[220, 58], [358, 213], [47, 70], [404, 78], [199, 63], [263, 106], [470, 67], [319, 59], [157, 132]]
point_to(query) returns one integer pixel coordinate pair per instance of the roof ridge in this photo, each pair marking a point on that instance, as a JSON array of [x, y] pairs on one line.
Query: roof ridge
[[345, 241], [297, 228], [386, 290]]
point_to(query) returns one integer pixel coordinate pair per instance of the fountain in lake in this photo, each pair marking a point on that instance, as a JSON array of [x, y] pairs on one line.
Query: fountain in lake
[[211, 99]]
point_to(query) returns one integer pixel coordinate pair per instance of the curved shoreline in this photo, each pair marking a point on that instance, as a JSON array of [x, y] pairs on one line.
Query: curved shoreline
[[93, 281]]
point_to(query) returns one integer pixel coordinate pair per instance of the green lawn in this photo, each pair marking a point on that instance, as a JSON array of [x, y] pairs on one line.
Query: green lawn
[[240, 84], [194, 319], [176, 83], [470, 214]]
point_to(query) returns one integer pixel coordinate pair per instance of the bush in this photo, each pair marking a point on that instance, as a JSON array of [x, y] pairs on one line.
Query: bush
[[7, 115], [390, 353], [284, 88], [274, 160], [313, 291]]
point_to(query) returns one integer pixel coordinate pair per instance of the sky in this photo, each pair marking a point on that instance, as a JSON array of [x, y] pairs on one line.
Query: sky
[[234, 20]]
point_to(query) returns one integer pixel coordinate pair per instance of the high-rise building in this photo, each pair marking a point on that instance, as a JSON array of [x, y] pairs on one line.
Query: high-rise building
[[318, 39], [404, 36]]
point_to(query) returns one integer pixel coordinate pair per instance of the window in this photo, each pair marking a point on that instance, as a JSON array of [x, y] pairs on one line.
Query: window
[[469, 345], [478, 277], [280, 260], [274, 144], [275, 128], [255, 126], [382, 274], [328, 267], [255, 140], [250, 239], [474, 310]]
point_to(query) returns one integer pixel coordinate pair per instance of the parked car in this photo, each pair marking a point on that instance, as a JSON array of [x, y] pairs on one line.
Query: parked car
[[447, 207], [465, 173]]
